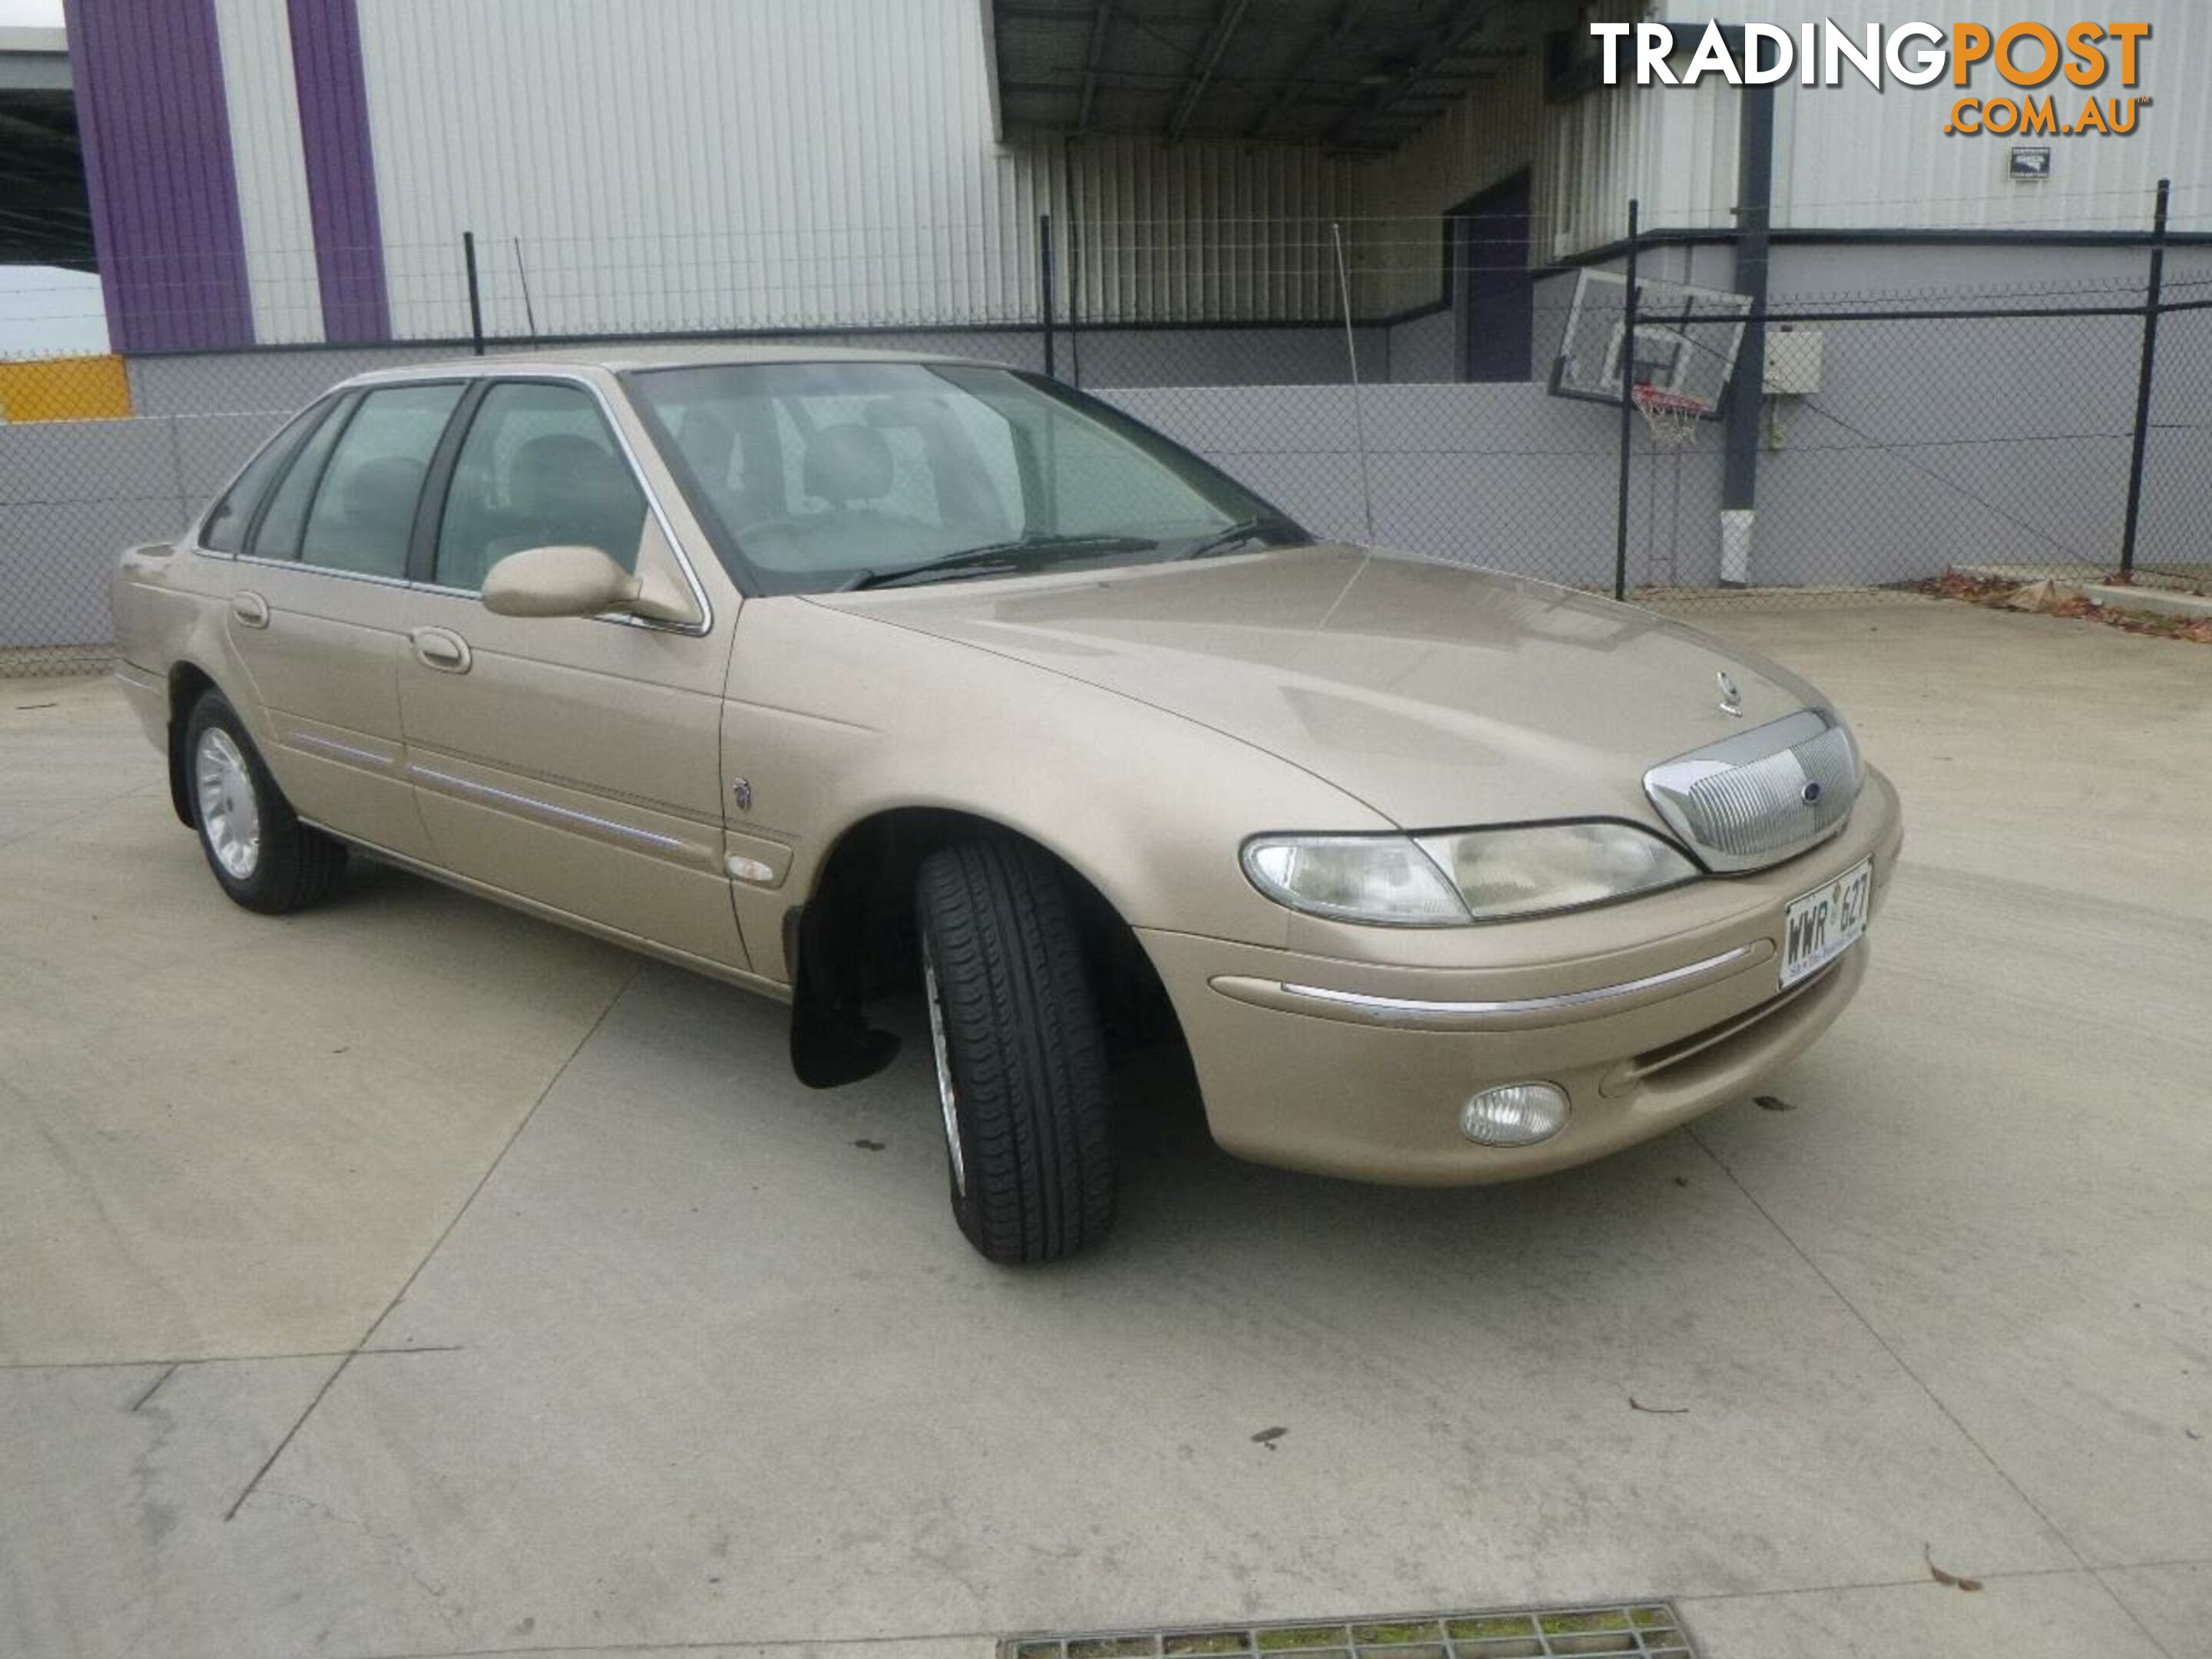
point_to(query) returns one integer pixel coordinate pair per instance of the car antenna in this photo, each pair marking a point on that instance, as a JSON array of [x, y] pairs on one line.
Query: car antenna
[[529, 311], [1358, 402]]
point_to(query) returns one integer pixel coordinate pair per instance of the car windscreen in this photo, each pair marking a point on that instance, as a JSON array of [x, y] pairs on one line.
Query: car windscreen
[[816, 476]]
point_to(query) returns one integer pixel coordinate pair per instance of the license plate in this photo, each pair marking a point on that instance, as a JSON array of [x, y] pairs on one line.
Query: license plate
[[1826, 922]]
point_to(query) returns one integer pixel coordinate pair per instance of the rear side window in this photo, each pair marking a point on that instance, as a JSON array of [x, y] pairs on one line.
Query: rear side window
[[277, 536], [225, 526], [363, 515]]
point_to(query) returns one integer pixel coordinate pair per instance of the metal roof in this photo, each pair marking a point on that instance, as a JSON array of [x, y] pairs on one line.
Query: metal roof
[[1352, 74]]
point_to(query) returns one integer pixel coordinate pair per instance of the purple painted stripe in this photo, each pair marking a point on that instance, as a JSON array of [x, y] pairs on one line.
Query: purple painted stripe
[[157, 136], [341, 169]]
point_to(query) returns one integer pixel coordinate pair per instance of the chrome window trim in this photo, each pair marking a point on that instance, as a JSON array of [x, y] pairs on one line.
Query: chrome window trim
[[1386, 1010], [566, 377], [315, 569]]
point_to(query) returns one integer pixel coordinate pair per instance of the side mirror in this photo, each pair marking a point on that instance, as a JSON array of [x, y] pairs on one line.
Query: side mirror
[[558, 582]]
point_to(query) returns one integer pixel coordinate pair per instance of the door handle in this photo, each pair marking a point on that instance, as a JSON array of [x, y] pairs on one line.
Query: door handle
[[250, 608], [442, 649]]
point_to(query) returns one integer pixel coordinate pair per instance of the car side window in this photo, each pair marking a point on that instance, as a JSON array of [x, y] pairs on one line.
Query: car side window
[[363, 515], [277, 535], [228, 521], [540, 467]]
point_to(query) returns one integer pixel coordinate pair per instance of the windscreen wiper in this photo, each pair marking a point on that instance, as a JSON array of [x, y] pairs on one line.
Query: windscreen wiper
[[997, 558], [1262, 529]]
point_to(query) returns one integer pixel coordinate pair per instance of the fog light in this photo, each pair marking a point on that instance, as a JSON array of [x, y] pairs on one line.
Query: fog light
[[1518, 1115]]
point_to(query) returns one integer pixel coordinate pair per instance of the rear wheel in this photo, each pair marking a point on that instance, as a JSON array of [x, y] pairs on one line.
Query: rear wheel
[[263, 856], [1021, 1062]]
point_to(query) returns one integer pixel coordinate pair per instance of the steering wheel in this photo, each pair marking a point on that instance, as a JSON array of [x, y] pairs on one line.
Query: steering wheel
[[791, 529]]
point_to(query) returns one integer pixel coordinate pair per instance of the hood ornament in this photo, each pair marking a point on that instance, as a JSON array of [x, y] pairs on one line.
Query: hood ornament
[[1731, 699]]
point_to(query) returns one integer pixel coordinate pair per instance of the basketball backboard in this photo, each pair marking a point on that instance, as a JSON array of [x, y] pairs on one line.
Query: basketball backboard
[[1685, 344]]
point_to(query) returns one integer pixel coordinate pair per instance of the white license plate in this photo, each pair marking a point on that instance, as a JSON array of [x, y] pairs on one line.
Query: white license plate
[[1826, 922]]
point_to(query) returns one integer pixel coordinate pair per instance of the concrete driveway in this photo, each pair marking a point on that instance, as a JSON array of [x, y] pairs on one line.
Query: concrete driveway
[[409, 1278]]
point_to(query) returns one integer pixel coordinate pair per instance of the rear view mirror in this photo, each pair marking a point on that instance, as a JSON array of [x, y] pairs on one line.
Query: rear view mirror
[[558, 582]]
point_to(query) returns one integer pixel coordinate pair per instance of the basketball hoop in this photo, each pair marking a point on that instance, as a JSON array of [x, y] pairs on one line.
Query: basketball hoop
[[1671, 416]]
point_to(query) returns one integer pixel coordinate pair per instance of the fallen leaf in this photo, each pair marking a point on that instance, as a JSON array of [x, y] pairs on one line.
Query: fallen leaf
[[1956, 1581], [1267, 1438], [867, 1146], [1636, 1405]]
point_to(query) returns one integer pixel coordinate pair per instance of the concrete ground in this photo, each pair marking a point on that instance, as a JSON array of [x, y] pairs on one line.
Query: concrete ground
[[411, 1278]]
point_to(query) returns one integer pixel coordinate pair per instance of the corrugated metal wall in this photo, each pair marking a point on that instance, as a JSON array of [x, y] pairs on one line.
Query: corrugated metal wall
[[783, 164], [1203, 232], [272, 178], [648, 165], [1850, 158], [1485, 138]]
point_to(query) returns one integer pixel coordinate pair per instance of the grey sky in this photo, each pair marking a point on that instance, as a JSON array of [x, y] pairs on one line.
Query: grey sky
[[36, 13]]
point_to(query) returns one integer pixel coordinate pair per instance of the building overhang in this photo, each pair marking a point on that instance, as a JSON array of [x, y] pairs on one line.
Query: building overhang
[[1353, 75]]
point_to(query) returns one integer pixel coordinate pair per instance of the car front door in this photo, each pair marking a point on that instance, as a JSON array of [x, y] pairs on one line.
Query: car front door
[[571, 762], [319, 607]]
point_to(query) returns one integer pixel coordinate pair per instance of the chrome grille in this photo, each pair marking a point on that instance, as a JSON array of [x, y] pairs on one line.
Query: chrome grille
[[1742, 803]]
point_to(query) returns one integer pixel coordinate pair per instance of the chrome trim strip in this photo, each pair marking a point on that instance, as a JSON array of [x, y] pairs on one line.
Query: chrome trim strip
[[346, 749], [1393, 1008], [553, 810]]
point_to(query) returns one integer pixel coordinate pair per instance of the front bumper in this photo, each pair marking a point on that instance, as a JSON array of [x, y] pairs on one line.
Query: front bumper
[[1360, 1069]]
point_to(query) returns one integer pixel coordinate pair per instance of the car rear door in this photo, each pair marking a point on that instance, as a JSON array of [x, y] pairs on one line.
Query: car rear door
[[318, 610], [572, 761]]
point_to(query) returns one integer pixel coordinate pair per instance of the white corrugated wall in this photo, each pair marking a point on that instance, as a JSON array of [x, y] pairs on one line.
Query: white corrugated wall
[[1202, 232], [1488, 136], [678, 164], [1850, 158], [691, 163], [641, 165], [270, 170]]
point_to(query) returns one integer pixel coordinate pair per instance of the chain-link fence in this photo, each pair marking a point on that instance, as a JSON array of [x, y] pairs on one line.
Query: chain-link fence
[[1392, 380]]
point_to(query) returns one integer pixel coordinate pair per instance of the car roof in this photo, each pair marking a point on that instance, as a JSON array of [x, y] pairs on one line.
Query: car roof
[[616, 358]]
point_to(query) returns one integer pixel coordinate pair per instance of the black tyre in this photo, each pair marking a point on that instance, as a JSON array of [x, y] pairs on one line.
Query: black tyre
[[1020, 1063], [262, 856]]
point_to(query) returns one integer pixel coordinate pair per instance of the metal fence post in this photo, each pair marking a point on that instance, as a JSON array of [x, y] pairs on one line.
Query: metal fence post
[[1044, 280], [1628, 403], [475, 294], [2146, 383]]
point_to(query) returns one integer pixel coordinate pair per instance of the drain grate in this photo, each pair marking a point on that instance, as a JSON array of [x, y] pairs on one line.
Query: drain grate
[[1637, 1630]]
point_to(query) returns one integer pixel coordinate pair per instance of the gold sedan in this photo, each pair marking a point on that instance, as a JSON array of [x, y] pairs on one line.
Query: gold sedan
[[827, 672]]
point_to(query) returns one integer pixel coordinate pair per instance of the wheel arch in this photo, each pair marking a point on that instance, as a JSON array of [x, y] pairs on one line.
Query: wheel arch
[[851, 938], [188, 683]]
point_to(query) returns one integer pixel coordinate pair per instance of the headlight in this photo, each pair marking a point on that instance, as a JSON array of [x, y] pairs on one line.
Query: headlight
[[1379, 879], [1503, 873], [1467, 876]]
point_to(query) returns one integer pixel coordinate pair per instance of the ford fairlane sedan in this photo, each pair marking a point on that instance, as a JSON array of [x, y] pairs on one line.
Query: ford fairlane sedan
[[832, 674]]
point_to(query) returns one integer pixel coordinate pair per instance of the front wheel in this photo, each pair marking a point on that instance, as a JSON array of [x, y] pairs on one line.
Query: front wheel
[[264, 858], [1021, 1060]]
